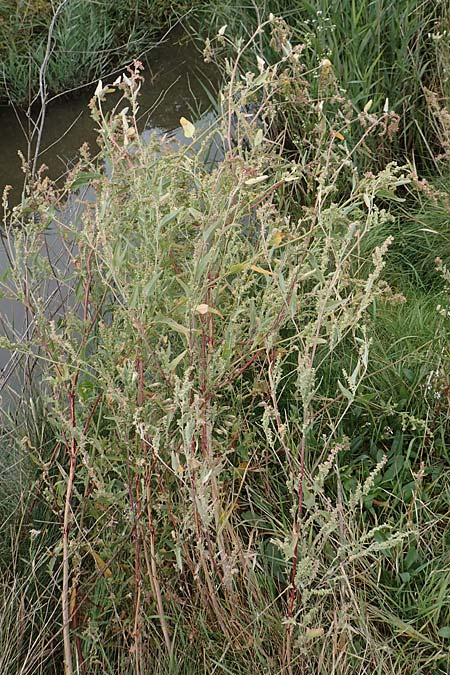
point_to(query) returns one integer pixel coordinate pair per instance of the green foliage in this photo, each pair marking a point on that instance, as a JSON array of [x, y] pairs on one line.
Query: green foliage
[[243, 465], [89, 39], [384, 53]]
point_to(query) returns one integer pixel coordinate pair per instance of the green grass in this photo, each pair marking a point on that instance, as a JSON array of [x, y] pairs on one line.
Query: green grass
[[402, 411], [30, 637], [89, 40], [380, 49]]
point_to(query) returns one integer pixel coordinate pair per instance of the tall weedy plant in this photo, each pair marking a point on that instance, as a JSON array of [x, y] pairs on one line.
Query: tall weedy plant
[[198, 308]]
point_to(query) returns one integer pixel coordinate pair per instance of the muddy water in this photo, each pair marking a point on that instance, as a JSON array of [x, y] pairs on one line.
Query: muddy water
[[176, 80]]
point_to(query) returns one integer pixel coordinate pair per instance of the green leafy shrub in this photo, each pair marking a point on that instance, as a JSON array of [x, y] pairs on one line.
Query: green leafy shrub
[[206, 362]]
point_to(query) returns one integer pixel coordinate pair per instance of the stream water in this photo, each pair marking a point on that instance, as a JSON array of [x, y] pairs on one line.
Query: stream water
[[176, 84]]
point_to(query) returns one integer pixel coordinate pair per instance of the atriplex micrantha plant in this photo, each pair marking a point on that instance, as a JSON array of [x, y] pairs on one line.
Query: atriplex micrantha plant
[[180, 358]]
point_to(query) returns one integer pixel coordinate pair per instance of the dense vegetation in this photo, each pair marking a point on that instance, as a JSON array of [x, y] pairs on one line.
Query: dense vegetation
[[85, 41], [233, 457], [389, 52]]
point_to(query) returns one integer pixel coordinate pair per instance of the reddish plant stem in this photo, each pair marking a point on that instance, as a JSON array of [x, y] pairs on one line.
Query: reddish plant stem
[[194, 497], [78, 646], [68, 666], [91, 412], [121, 151], [272, 188], [97, 312], [53, 457], [242, 369]]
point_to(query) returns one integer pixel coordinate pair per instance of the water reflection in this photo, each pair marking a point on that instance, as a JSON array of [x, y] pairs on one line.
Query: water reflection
[[176, 84]]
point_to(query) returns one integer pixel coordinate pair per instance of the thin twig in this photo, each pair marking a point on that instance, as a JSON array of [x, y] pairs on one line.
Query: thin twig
[[43, 86]]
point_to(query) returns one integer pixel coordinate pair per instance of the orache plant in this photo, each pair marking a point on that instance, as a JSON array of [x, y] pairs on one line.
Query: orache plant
[[197, 309]]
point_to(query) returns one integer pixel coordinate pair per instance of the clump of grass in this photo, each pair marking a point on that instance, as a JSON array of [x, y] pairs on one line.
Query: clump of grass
[[88, 40], [30, 636]]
